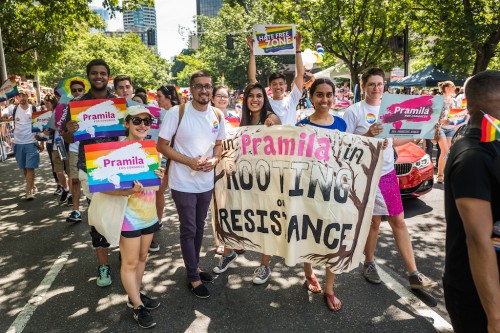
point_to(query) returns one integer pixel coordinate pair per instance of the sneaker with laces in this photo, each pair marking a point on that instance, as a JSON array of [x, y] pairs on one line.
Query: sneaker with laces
[[58, 190], [370, 273], [420, 281], [148, 302], [74, 217], [154, 247], [64, 196], [69, 201], [143, 317], [224, 263], [261, 274], [103, 277]]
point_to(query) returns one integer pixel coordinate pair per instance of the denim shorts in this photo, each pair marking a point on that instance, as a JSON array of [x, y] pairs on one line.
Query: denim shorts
[[27, 155], [446, 132]]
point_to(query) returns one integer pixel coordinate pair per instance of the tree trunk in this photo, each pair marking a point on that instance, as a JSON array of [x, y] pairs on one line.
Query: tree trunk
[[354, 82], [485, 52]]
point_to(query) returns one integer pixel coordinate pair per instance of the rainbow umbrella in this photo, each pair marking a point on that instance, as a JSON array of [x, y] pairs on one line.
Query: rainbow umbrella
[[64, 90]]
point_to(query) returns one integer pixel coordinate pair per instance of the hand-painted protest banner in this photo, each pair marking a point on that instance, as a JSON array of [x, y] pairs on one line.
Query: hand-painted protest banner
[[274, 39], [409, 116], [98, 117], [115, 165], [302, 193], [39, 120]]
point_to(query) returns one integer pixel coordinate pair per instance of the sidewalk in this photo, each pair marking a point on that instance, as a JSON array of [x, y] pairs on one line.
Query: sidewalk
[[33, 235]]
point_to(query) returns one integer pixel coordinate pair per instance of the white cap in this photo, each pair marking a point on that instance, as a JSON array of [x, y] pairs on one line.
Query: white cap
[[134, 110]]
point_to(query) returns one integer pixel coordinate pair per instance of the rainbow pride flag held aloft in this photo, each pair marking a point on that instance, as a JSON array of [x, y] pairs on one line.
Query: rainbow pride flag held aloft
[[8, 89], [115, 165], [274, 39], [98, 117], [457, 116], [40, 120], [490, 129]]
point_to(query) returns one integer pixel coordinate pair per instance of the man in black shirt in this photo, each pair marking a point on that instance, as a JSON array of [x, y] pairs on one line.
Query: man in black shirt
[[98, 75], [472, 207]]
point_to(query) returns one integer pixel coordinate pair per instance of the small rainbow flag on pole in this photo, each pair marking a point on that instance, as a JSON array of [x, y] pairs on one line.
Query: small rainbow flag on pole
[[490, 129]]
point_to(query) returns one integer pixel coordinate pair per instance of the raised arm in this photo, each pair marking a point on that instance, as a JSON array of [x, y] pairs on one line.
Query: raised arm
[[252, 67], [299, 71]]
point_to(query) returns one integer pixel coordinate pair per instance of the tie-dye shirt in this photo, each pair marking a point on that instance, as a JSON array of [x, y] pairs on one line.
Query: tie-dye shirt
[[141, 211]]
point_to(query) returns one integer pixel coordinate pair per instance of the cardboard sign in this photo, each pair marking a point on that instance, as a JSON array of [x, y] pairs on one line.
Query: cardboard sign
[[302, 193], [154, 129], [40, 120], [274, 39], [98, 117], [115, 165], [409, 116]]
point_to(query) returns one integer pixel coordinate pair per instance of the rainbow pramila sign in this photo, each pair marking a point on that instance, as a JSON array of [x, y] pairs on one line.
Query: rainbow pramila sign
[[40, 120], [115, 165], [274, 39], [98, 117]]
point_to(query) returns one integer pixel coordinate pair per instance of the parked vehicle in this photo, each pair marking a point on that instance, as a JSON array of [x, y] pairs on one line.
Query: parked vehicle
[[415, 171]]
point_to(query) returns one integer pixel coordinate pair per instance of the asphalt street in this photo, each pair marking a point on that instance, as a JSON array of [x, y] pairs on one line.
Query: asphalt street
[[48, 273]]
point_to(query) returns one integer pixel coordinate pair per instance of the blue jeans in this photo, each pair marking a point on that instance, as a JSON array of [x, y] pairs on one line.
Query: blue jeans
[[192, 209]]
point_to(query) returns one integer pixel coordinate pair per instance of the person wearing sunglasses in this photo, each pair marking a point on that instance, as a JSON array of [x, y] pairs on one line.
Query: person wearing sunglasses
[[139, 224], [77, 88]]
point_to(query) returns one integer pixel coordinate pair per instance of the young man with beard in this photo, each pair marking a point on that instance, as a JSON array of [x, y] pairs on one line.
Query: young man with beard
[[98, 75], [195, 125]]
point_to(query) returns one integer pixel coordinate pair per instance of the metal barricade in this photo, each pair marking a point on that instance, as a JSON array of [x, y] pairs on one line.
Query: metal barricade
[[6, 139]]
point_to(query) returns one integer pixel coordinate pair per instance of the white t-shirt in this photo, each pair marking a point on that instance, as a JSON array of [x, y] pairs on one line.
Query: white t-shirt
[[22, 122], [73, 147], [195, 133], [286, 108], [359, 117]]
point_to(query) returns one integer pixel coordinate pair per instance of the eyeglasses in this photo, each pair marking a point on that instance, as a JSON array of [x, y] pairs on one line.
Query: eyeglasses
[[137, 121], [199, 87], [221, 96], [76, 89]]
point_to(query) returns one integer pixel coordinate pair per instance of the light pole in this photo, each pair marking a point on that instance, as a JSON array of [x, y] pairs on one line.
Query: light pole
[[3, 67]]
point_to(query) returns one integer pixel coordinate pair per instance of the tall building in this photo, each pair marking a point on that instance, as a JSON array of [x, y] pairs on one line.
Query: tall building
[[208, 7], [104, 15], [142, 22]]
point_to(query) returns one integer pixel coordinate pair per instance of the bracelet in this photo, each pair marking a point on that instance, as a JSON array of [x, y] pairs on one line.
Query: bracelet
[[298, 51]]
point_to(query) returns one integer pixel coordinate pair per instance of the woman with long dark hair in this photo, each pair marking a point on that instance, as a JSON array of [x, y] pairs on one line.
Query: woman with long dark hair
[[256, 109]]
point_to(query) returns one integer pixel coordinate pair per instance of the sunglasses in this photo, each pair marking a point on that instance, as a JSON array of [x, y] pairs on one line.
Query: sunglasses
[[76, 89], [137, 121]]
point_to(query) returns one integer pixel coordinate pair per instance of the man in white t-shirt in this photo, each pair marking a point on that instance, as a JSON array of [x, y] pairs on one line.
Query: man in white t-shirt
[[284, 107], [26, 148], [361, 118], [191, 177]]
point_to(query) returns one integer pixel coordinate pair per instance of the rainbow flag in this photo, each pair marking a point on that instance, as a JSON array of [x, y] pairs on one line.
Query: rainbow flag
[[40, 120], [115, 165], [457, 116], [98, 117], [490, 130], [8, 89], [232, 120]]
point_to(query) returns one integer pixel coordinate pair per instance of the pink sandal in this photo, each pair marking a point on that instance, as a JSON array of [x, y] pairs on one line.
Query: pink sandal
[[313, 284], [330, 302]]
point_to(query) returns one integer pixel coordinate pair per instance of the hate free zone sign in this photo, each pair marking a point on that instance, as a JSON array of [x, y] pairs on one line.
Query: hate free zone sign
[[303, 193], [274, 39]]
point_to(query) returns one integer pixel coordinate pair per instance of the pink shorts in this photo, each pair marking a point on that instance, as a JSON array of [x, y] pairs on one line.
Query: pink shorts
[[388, 199]]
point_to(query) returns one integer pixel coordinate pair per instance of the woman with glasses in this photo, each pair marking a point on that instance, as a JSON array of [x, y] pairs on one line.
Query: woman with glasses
[[139, 224], [361, 119], [220, 99]]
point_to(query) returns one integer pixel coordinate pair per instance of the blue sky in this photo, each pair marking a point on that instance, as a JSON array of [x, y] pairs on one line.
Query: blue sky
[[169, 15]]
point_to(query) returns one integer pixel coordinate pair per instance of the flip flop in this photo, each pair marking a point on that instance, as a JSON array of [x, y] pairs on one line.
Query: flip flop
[[313, 285], [330, 302]]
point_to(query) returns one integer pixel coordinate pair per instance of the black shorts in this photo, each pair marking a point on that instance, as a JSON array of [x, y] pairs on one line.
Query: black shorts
[[98, 240], [465, 310], [138, 233]]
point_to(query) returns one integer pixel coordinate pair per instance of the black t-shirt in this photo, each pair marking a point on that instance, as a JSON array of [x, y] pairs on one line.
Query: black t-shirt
[[81, 164], [472, 171]]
